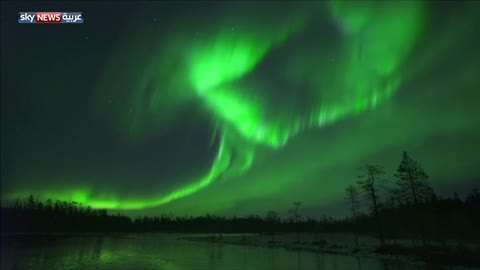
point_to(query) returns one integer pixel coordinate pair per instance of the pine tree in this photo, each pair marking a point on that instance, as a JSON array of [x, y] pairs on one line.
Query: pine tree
[[31, 202], [272, 220], [295, 211], [351, 196], [369, 184], [412, 183]]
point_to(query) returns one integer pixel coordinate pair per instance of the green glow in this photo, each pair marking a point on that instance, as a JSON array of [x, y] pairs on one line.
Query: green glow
[[84, 196], [108, 253], [231, 52], [227, 58], [375, 43]]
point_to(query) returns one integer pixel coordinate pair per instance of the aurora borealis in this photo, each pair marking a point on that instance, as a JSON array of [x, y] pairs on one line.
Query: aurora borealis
[[237, 107]]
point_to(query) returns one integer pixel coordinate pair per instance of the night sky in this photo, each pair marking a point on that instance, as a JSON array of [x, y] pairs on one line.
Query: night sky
[[236, 107]]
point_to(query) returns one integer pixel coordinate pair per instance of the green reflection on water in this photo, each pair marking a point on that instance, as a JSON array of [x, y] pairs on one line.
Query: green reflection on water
[[157, 251]]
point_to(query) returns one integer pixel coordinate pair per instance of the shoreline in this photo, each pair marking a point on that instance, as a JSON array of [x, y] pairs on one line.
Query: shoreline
[[341, 245], [452, 253]]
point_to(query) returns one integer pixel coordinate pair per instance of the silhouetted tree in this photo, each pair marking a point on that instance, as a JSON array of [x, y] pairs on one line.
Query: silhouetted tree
[[352, 197], [368, 183], [30, 202], [272, 219], [412, 182], [472, 203], [17, 204], [446, 218], [296, 216]]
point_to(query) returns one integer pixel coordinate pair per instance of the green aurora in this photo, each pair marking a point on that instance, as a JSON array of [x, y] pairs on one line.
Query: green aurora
[[271, 149]]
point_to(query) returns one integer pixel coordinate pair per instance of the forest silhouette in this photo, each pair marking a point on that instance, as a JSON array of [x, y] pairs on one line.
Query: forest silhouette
[[405, 208]]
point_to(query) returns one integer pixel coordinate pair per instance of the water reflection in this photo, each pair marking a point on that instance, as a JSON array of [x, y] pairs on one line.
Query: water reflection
[[272, 258], [166, 252], [359, 263], [298, 260]]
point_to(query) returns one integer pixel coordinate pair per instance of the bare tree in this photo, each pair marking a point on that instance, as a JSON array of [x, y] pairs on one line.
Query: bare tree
[[295, 212], [412, 183], [272, 219], [352, 197], [369, 178]]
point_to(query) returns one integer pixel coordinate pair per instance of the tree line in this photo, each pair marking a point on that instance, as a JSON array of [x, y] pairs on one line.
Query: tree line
[[32, 215], [405, 208], [408, 207]]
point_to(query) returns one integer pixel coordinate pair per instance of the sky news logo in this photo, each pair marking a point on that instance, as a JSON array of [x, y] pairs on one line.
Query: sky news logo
[[50, 17]]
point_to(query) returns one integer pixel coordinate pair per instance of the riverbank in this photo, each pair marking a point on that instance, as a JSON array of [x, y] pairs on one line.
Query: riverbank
[[454, 255]]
